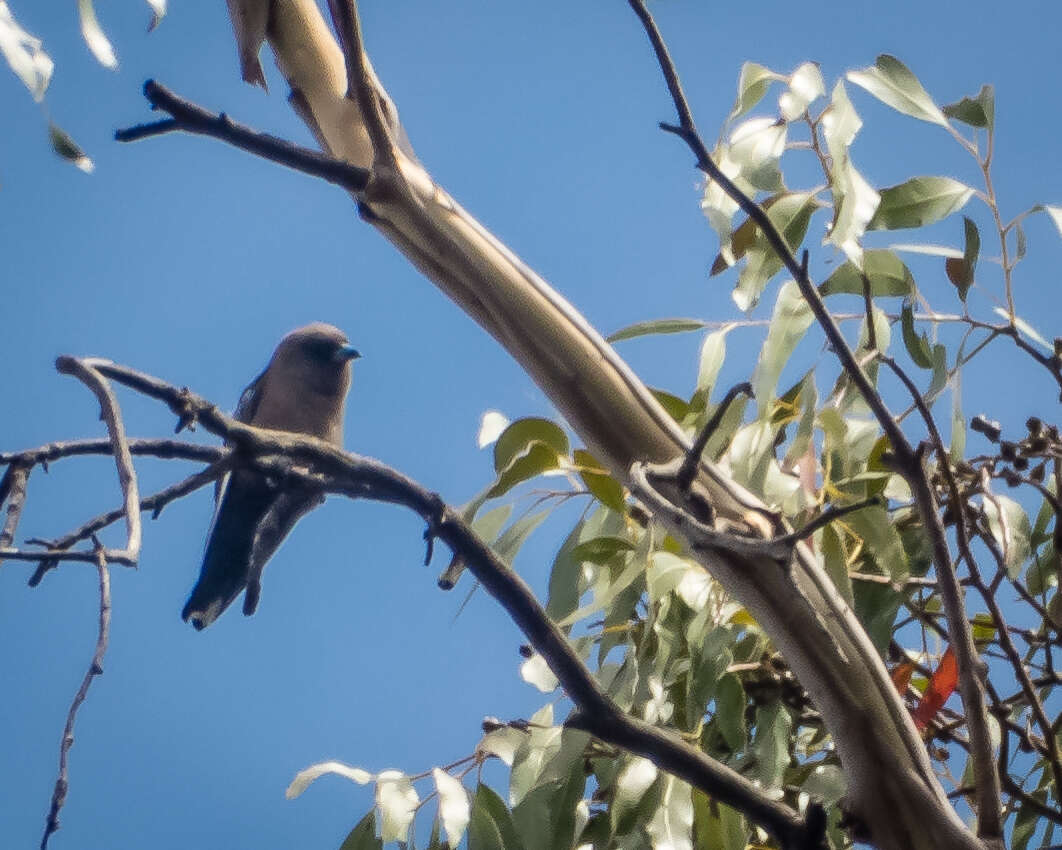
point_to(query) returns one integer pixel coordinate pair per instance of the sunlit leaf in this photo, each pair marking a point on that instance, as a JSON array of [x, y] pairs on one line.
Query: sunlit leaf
[[656, 326], [757, 146], [454, 808], [931, 250], [1011, 528], [632, 785], [887, 273], [396, 800], [1056, 216], [891, 82], [502, 743], [918, 202], [671, 827], [713, 353], [304, 778], [789, 212], [491, 426], [535, 671], [1023, 326], [789, 322], [979, 111], [805, 86], [93, 34], [24, 54], [158, 12], [752, 86]]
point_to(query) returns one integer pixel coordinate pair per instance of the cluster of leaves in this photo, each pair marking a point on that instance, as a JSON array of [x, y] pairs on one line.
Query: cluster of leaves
[[26, 56], [668, 645]]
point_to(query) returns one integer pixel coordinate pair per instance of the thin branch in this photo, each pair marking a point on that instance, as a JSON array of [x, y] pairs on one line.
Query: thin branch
[[84, 371], [688, 471], [59, 549], [62, 783], [191, 118], [165, 449]]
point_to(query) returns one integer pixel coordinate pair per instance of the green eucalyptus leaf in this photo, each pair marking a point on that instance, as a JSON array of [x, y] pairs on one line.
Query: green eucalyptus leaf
[[656, 326], [516, 534], [979, 111], [887, 273], [363, 836], [730, 711], [789, 322], [752, 86], [713, 353], [892, 82], [603, 486], [68, 149], [491, 825], [918, 202], [522, 435], [960, 270], [1012, 530], [771, 744], [917, 344], [636, 794], [676, 407], [716, 826], [601, 550]]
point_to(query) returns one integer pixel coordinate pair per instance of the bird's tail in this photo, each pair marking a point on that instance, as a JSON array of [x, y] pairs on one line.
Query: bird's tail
[[227, 562]]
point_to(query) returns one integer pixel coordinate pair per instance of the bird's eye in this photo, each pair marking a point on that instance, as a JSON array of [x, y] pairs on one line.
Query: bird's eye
[[320, 349]]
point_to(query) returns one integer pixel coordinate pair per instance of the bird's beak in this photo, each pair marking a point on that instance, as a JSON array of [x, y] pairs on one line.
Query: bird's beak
[[346, 352]]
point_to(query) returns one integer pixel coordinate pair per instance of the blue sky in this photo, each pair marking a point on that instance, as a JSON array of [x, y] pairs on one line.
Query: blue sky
[[190, 260]]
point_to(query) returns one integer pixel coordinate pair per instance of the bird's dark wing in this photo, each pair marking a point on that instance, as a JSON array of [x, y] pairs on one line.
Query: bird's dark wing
[[249, 399]]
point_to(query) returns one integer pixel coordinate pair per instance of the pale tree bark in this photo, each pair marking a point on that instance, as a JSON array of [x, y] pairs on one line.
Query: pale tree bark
[[891, 786]]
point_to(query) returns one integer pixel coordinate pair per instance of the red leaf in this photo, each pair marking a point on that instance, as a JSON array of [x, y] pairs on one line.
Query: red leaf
[[901, 676], [940, 687]]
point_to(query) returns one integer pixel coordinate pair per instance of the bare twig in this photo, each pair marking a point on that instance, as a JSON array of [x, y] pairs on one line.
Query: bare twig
[[85, 371], [191, 118], [62, 783], [688, 471], [59, 549]]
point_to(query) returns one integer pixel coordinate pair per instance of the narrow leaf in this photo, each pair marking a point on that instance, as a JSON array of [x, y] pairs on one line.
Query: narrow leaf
[[304, 778], [941, 686], [918, 202], [752, 86], [93, 34], [892, 82], [917, 344], [68, 149], [656, 326], [397, 800], [363, 836]]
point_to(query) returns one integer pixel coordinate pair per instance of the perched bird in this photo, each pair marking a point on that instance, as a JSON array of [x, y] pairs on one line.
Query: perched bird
[[302, 390]]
